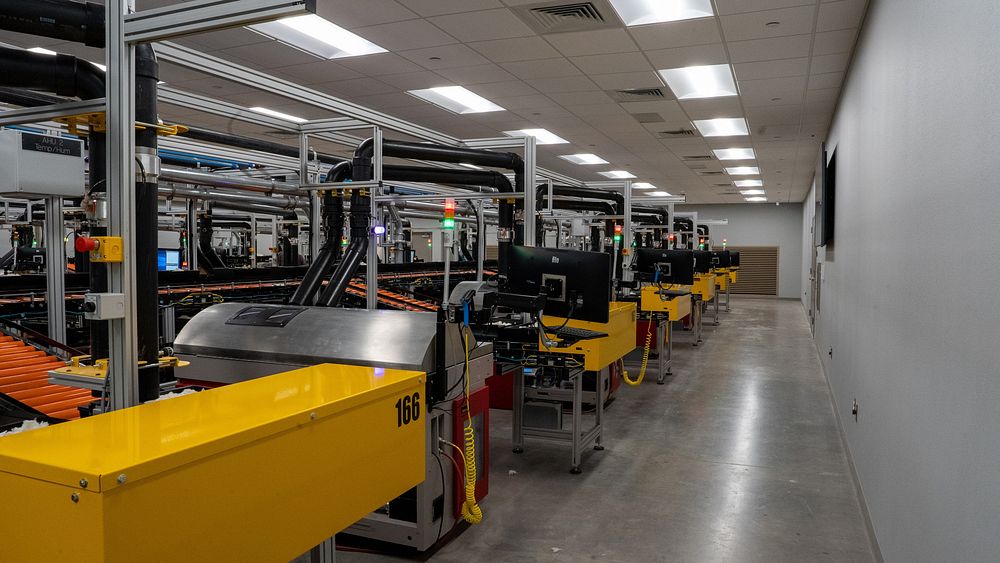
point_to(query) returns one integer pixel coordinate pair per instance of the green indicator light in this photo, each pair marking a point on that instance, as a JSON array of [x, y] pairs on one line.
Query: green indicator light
[[448, 223]]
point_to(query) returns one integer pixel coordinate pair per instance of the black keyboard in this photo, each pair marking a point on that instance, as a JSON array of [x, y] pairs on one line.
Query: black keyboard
[[568, 332]]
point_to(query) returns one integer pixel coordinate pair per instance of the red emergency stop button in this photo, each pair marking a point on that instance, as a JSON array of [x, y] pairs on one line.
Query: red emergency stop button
[[85, 244]]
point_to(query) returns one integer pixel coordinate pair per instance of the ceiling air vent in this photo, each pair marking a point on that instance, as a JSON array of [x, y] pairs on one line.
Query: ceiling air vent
[[561, 17], [712, 173], [696, 157], [648, 117], [675, 134]]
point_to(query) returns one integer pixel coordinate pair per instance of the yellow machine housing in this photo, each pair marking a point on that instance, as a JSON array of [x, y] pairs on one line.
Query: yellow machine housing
[[675, 307], [599, 353], [721, 279], [733, 274], [257, 471], [704, 286]]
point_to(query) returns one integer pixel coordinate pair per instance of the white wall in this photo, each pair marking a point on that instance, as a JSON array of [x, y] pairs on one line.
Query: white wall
[[763, 224], [808, 222], [909, 303]]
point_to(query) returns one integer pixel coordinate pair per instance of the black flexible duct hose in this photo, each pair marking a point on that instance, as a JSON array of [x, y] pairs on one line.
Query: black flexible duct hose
[[80, 22], [330, 253], [442, 153], [356, 250], [250, 143]]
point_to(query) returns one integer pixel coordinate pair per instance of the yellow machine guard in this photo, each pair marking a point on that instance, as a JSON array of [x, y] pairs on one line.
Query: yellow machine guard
[[721, 279], [733, 274], [704, 285], [599, 353], [257, 471], [676, 308]]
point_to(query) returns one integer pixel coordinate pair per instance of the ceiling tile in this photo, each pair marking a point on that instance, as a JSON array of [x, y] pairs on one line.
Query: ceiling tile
[[627, 80], [712, 54], [580, 98], [392, 100], [830, 63], [772, 69], [379, 64], [827, 80], [507, 88], [525, 102], [677, 34], [483, 25], [223, 39], [400, 36], [605, 64], [599, 109], [833, 42], [770, 49], [444, 56], [711, 108], [598, 42], [268, 56], [428, 8], [779, 115], [476, 74], [822, 95], [563, 84], [666, 108], [752, 25], [727, 7], [353, 14], [546, 68], [759, 92], [845, 14], [316, 72], [415, 80], [357, 87], [520, 49]]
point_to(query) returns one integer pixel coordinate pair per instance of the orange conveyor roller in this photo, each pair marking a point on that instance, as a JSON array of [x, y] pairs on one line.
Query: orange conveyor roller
[[24, 376]]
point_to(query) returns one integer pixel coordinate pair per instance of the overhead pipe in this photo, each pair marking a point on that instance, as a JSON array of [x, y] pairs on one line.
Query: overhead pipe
[[200, 178], [280, 202], [456, 155], [239, 141], [79, 22]]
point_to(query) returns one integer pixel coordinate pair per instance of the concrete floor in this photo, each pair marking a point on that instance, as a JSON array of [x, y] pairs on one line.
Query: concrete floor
[[736, 458]]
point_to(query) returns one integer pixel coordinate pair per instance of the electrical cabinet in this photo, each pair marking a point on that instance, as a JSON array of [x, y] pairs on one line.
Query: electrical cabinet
[[33, 165]]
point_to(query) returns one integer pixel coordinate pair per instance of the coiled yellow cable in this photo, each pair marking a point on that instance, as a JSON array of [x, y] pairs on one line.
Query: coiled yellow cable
[[471, 512], [645, 358]]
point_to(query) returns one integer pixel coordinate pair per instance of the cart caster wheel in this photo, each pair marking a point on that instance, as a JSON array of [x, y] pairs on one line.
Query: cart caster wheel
[[576, 471], [598, 448], [519, 450], [715, 324], [659, 382], [695, 345]]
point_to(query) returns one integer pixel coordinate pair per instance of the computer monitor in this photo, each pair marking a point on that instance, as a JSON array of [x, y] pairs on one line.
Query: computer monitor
[[734, 259], [665, 266], [168, 260], [702, 261], [720, 258], [576, 284]]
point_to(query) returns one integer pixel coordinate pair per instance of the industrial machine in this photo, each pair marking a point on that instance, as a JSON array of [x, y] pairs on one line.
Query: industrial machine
[[664, 281], [260, 471], [563, 333], [234, 342], [721, 267], [703, 288]]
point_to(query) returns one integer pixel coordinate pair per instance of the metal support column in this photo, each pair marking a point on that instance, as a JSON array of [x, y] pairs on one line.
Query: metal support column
[[315, 200], [480, 238], [529, 191], [371, 278], [627, 228], [55, 268], [120, 94], [192, 234]]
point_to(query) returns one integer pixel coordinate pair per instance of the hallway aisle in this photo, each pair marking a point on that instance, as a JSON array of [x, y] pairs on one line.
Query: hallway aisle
[[736, 458]]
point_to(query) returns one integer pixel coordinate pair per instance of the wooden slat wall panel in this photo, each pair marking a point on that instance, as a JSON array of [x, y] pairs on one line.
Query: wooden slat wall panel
[[758, 270], [492, 252]]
